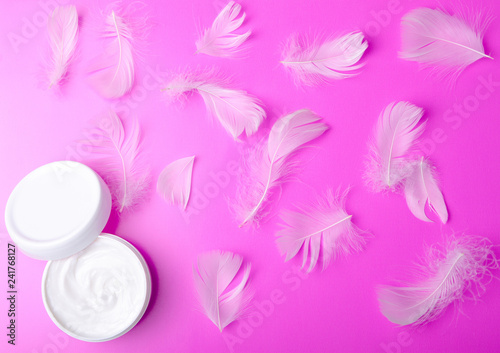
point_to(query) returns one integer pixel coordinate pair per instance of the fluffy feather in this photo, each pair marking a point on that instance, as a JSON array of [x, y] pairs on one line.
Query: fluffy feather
[[236, 110], [436, 39], [174, 182], [220, 39], [324, 227], [269, 162], [114, 72], [315, 62], [116, 157], [421, 188], [452, 273], [213, 276], [63, 35], [396, 131]]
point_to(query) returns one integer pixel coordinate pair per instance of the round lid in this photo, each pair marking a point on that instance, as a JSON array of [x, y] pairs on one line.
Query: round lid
[[57, 210]]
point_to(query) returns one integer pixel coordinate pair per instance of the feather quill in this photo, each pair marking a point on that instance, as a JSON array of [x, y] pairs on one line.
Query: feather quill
[[114, 72], [396, 132], [236, 110], [63, 36], [450, 274], [116, 157], [220, 39], [213, 276], [315, 62], [174, 182], [421, 188], [269, 162], [323, 230], [436, 39]]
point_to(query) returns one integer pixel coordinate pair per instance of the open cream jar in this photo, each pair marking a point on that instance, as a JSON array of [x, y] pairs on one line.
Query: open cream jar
[[95, 287]]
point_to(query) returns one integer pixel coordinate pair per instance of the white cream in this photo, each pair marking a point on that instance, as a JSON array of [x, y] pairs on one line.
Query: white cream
[[98, 293]]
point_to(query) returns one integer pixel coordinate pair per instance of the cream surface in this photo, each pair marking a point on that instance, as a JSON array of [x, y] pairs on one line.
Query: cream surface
[[97, 293]]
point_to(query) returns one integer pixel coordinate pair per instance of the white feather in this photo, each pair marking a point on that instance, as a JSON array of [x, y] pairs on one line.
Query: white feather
[[114, 72], [421, 188], [220, 39], [63, 36], [396, 132], [174, 182], [236, 110], [116, 157], [445, 42], [214, 276], [449, 275], [323, 230], [269, 162], [315, 62]]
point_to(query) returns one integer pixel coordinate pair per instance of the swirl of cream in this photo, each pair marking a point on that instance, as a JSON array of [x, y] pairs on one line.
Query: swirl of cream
[[97, 293]]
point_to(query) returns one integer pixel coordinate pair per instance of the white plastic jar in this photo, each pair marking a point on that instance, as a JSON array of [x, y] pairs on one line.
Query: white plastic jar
[[95, 287]]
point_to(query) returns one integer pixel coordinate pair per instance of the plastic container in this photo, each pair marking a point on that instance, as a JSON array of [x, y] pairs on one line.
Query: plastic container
[[55, 213]]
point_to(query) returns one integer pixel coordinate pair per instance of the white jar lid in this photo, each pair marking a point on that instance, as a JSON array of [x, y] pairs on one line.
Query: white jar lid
[[57, 210]]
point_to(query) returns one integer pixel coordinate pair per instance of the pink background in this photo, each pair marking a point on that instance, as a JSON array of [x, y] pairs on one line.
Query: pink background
[[331, 311]]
